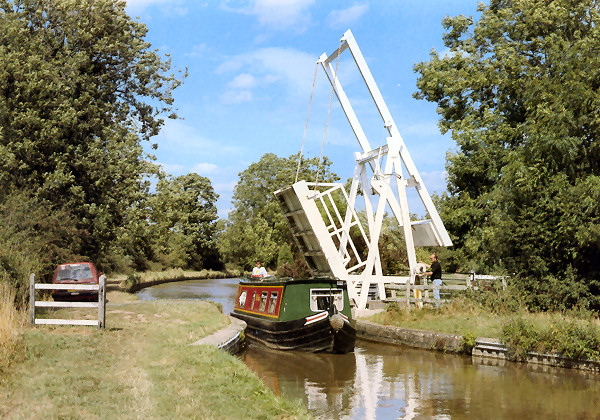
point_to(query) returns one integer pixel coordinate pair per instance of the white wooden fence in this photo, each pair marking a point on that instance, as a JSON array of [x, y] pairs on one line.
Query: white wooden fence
[[101, 304], [402, 293]]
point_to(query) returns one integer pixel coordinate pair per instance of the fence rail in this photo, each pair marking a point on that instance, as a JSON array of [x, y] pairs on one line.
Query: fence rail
[[100, 304], [420, 293]]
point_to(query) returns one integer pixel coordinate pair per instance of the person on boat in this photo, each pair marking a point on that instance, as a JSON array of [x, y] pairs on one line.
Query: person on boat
[[435, 274], [259, 271]]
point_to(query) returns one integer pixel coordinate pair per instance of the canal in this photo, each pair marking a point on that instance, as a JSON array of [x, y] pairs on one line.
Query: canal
[[386, 382]]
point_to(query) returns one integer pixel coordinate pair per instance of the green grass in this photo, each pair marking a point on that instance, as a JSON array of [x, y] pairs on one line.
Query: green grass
[[458, 317], [573, 335], [141, 366]]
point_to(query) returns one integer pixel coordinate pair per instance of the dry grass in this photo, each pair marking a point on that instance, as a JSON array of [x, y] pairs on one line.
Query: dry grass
[[12, 322]]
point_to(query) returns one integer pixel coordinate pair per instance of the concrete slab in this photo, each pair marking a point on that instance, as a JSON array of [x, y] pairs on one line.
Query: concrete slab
[[224, 337], [363, 313]]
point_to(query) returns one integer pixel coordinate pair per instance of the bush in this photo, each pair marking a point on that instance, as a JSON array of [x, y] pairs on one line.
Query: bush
[[285, 259], [468, 342], [520, 337], [572, 338], [296, 269], [496, 299]]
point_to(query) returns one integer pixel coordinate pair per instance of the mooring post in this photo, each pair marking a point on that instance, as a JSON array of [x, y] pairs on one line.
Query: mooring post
[[32, 298]]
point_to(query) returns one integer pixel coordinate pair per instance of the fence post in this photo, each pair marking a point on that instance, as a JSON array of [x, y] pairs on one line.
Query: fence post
[[408, 295], [32, 298], [102, 301], [470, 279]]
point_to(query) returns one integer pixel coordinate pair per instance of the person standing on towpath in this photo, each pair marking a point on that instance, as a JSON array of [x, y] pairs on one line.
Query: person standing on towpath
[[435, 274]]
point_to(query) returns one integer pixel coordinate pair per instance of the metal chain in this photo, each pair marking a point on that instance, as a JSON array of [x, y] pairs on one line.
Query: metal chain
[[306, 125], [337, 62]]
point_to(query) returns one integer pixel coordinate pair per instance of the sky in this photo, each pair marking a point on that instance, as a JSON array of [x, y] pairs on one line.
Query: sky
[[251, 67]]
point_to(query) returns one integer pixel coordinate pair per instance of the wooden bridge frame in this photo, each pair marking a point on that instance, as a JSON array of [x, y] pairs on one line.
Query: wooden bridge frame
[[327, 246]]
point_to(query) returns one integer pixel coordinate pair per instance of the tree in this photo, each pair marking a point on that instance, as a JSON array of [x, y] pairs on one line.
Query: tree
[[519, 90], [256, 227], [184, 218], [80, 89]]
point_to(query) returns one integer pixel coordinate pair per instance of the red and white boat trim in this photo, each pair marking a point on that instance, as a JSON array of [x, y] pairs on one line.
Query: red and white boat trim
[[314, 318]]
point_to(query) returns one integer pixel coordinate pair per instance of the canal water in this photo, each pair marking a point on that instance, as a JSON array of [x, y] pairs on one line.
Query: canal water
[[387, 382]]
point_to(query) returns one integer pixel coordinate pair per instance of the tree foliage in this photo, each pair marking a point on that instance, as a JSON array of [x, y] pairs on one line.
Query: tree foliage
[[184, 216], [79, 89], [256, 228], [519, 90]]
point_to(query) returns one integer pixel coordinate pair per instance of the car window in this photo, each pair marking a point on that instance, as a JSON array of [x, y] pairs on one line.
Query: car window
[[75, 272]]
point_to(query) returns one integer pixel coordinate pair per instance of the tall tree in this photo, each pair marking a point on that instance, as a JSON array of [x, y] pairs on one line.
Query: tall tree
[[520, 92], [256, 229], [80, 89], [184, 216]]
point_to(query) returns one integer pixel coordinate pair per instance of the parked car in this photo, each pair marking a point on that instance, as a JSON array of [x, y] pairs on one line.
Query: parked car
[[75, 273]]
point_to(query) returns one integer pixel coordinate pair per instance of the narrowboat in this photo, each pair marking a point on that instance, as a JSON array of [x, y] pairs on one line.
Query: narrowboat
[[297, 314]]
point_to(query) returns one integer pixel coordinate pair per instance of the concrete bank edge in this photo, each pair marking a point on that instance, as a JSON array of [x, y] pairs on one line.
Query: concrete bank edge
[[430, 340], [230, 338], [487, 348]]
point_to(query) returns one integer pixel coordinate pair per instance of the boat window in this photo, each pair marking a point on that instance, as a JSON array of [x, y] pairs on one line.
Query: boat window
[[253, 300], [273, 302], [263, 301], [321, 299]]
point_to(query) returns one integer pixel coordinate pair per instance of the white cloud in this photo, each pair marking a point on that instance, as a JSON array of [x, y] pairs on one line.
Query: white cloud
[[173, 169], [426, 128], [198, 50], [185, 140], [264, 68], [243, 81], [435, 181], [345, 17], [138, 6], [232, 97], [276, 14], [204, 168], [225, 187]]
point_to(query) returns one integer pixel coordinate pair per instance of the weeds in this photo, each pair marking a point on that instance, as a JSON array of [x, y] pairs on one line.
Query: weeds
[[11, 324], [567, 336]]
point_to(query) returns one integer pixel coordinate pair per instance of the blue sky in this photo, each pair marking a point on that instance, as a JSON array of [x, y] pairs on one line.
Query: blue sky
[[251, 66]]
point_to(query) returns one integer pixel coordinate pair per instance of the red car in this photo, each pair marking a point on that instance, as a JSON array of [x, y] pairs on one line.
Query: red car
[[75, 273]]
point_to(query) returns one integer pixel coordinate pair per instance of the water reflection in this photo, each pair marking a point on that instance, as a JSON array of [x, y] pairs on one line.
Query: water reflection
[[383, 382], [387, 382]]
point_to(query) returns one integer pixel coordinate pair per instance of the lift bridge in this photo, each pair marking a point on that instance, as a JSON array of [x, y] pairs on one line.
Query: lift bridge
[[322, 216]]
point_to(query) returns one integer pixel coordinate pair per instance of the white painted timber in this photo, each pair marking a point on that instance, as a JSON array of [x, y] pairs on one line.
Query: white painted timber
[[44, 321], [322, 228], [49, 304], [48, 286]]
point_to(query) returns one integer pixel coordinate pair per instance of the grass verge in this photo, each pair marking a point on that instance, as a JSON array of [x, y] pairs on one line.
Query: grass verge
[[141, 366], [573, 335]]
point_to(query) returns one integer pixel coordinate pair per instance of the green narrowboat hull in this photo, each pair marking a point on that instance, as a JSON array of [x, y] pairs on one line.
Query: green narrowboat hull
[[306, 314]]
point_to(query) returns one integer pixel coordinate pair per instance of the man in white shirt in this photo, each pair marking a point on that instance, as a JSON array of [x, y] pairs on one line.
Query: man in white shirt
[[259, 271]]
